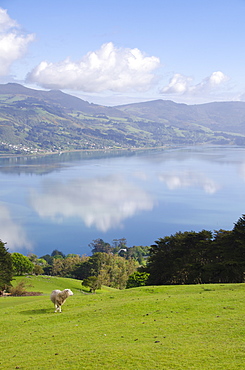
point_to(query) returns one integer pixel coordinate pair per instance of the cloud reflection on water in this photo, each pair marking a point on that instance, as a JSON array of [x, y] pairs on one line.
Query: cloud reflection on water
[[103, 202], [12, 232], [175, 180], [242, 171]]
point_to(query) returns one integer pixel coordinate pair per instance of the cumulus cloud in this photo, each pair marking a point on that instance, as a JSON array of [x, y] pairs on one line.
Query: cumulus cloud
[[180, 84], [11, 232], [109, 68], [13, 43], [100, 202], [189, 179]]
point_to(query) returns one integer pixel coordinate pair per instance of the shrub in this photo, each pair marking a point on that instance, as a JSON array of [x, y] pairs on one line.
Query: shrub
[[19, 289]]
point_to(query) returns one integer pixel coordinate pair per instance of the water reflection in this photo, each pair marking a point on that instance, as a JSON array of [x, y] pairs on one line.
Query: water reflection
[[103, 202], [141, 196], [12, 232], [241, 171], [175, 180], [43, 165]]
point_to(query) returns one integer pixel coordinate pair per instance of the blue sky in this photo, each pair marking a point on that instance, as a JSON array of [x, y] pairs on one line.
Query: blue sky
[[119, 51]]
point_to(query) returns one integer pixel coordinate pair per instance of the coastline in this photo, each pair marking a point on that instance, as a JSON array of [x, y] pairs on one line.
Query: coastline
[[35, 155]]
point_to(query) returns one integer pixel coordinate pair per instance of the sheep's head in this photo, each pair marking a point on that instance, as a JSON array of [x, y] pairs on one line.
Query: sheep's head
[[69, 292]]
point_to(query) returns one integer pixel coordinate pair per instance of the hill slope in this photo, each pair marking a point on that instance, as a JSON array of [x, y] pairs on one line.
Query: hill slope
[[162, 327], [219, 116], [35, 120]]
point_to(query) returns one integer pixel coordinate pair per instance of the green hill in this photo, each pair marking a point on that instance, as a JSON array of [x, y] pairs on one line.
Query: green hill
[[34, 121], [163, 327]]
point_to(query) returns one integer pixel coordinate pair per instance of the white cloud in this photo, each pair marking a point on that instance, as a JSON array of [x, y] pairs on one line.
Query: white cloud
[[189, 179], [102, 202], [13, 44], [180, 84], [109, 68], [11, 232], [5, 21]]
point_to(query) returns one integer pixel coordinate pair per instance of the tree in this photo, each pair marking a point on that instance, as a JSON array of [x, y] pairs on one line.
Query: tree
[[21, 264], [111, 270], [38, 270], [204, 257], [179, 258], [32, 257], [57, 254], [65, 266], [119, 244], [137, 279], [48, 258], [6, 267], [47, 268], [41, 262], [139, 253], [92, 282], [98, 245], [220, 259]]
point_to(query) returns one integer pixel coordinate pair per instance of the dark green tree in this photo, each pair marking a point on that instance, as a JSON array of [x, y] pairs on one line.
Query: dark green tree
[[99, 246], [204, 257], [49, 266], [137, 279], [57, 254], [220, 260], [179, 258], [92, 282], [238, 249], [6, 267], [48, 258]]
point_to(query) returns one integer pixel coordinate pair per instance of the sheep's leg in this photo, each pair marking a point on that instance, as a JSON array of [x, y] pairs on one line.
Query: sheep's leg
[[58, 308]]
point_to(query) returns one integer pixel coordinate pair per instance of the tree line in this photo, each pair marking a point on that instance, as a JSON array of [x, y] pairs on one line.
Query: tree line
[[198, 257], [183, 258], [109, 265]]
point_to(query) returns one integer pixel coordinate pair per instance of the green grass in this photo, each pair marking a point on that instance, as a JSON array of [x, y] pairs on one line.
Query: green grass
[[147, 328]]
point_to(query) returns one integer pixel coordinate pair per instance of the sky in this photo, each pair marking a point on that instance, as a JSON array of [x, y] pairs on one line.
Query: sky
[[114, 52]]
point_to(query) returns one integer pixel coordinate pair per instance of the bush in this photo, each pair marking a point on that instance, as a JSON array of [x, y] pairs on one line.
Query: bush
[[19, 290]]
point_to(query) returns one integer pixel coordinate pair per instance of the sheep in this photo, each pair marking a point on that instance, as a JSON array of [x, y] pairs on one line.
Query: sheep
[[59, 297]]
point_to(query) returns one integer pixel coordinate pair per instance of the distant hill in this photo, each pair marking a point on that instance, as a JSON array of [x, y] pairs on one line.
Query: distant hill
[[49, 121], [220, 116]]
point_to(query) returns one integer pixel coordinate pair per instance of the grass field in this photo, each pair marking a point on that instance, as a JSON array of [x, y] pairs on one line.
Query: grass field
[[163, 327]]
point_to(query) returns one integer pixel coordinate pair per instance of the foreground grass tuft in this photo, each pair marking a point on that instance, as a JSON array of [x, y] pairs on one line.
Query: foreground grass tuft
[[166, 327]]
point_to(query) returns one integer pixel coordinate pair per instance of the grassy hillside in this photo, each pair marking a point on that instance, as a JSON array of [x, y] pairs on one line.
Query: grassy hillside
[[164, 327], [33, 121]]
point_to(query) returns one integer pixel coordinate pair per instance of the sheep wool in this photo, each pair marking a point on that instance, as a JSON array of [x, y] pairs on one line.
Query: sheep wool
[[59, 297]]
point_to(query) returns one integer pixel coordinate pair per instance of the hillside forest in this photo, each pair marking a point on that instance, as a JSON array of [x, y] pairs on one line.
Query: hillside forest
[[183, 258]]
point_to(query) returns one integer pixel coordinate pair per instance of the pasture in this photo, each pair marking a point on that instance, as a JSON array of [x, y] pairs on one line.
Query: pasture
[[147, 328]]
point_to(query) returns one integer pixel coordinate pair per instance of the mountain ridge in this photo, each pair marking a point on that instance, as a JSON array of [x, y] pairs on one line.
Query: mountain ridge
[[53, 121]]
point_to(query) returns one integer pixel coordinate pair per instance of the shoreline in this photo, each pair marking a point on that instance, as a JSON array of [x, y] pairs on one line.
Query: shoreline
[[83, 151], [163, 147]]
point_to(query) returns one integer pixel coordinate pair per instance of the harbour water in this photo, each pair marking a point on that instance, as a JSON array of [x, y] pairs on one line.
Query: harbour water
[[66, 201]]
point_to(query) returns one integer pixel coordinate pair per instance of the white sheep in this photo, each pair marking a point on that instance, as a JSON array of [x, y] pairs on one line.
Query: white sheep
[[59, 297]]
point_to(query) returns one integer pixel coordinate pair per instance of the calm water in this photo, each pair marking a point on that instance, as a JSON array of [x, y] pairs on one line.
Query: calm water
[[65, 201]]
